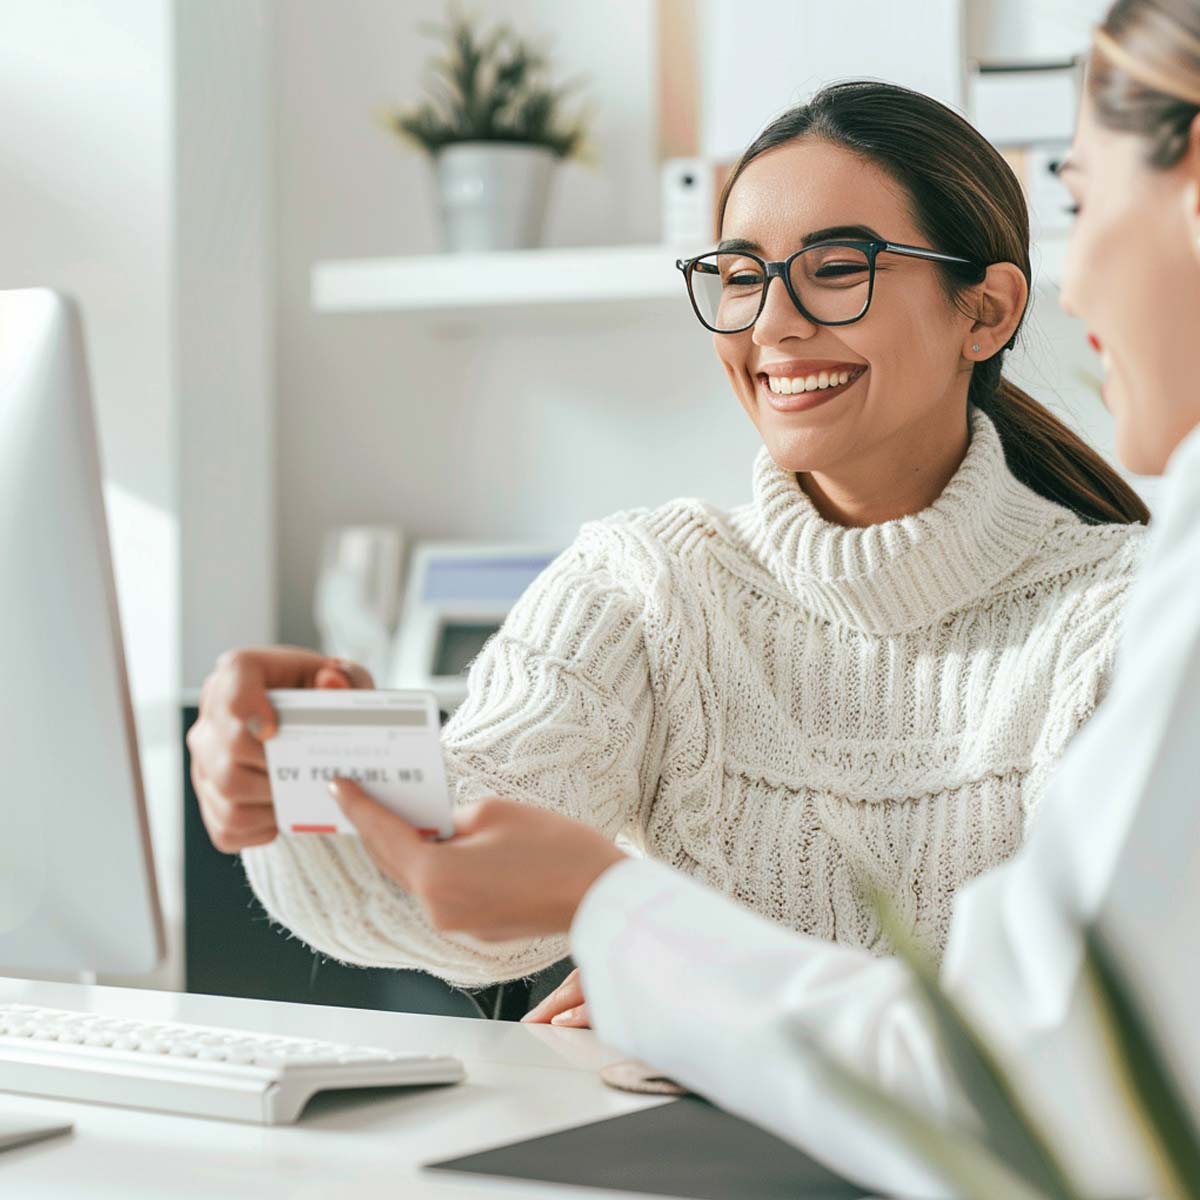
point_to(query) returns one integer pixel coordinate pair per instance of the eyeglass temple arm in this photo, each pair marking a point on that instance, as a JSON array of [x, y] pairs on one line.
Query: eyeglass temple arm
[[922, 252]]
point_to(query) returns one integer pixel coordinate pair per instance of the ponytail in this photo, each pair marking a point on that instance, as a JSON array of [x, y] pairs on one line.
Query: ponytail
[[1049, 458]]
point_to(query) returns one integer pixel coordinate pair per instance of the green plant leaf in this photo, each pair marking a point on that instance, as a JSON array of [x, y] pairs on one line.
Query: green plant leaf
[[489, 87], [1011, 1133], [1167, 1123], [961, 1161]]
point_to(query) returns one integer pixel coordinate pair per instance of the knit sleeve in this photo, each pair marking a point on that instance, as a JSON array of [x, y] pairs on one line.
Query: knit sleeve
[[1091, 620], [559, 713]]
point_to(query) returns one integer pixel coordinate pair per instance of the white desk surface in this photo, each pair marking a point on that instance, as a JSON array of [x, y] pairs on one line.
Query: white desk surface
[[521, 1081]]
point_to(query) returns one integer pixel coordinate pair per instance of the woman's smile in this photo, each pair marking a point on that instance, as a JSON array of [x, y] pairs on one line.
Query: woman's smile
[[796, 385]]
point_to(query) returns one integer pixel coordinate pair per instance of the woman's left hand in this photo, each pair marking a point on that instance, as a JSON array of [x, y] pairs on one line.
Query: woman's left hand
[[565, 1006], [510, 871]]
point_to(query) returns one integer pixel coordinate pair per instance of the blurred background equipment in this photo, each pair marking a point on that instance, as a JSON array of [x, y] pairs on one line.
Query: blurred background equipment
[[690, 187], [357, 591], [1027, 110], [457, 597]]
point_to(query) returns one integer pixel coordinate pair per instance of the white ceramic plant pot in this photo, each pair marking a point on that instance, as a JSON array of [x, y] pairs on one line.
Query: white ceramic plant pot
[[493, 195]]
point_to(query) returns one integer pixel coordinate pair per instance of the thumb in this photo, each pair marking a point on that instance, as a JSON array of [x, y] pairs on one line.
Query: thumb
[[389, 839], [342, 673], [331, 678]]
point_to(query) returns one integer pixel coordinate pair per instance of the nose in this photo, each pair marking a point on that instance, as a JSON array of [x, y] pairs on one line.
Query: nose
[[780, 318]]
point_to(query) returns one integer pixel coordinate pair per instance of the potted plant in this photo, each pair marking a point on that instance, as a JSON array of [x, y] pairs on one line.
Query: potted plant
[[494, 127]]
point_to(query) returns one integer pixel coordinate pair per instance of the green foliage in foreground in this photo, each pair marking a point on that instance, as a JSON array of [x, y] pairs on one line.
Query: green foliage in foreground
[[1014, 1159]]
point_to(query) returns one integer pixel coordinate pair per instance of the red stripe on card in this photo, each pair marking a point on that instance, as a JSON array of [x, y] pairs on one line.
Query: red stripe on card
[[314, 829]]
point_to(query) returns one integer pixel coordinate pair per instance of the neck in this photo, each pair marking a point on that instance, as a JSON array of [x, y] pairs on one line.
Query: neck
[[891, 481], [914, 569]]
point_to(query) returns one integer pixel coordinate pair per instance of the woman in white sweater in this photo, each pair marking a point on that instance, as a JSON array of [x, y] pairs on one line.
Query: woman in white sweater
[[867, 671]]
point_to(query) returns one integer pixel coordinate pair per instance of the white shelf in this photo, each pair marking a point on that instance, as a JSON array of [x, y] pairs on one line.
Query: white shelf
[[575, 275]]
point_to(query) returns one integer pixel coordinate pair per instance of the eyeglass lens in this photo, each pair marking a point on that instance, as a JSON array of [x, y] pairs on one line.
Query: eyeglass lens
[[832, 283]]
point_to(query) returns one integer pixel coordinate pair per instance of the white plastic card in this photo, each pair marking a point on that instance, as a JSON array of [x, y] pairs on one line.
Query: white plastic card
[[389, 742]]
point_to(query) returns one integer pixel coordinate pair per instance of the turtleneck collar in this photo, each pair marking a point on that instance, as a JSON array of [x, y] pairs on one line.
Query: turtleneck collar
[[912, 571]]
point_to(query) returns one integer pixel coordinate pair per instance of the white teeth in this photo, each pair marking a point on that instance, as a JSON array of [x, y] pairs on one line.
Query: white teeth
[[1105, 359], [807, 383]]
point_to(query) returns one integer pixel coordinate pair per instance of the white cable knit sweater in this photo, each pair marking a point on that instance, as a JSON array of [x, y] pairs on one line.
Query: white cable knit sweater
[[772, 703]]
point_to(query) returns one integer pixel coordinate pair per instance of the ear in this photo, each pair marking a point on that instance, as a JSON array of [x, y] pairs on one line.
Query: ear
[[1189, 166], [1000, 305]]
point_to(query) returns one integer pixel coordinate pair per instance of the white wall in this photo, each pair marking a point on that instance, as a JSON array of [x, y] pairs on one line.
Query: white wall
[[764, 57], [134, 174], [223, 252], [1046, 30], [85, 206], [524, 431]]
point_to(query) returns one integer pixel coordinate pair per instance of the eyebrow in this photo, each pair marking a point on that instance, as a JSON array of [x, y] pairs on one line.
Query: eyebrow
[[832, 233]]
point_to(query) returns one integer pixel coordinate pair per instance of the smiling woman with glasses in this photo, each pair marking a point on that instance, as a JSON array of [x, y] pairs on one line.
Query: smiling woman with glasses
[[867, 671]]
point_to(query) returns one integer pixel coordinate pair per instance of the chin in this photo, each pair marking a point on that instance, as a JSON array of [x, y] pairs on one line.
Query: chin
[[1137, 457], [1135, 443], [802, 450]]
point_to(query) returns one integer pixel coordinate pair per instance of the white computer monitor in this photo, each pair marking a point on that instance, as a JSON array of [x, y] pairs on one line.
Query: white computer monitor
[[77, 888]]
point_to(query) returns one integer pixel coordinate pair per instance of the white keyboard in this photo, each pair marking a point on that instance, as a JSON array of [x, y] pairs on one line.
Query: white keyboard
[[192, 1069]]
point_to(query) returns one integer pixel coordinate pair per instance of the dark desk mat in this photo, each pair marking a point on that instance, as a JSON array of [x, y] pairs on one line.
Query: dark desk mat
[[684, 1148]]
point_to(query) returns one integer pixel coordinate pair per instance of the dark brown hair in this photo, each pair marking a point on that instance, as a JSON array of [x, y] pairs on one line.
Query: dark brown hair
[[1148, 80], [966, 201]]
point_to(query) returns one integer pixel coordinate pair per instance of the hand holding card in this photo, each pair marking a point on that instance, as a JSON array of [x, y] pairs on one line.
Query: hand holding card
[[389, 742]]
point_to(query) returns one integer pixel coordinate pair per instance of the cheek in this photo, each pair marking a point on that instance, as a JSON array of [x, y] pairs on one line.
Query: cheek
[[1092, 267], [1078, 283], [910, 338], [1125, 271], [1143, 291], [734, 354], [1134, 450]]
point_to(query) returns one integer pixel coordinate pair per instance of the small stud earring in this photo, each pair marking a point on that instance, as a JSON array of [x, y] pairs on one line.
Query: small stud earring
[[975, 347]]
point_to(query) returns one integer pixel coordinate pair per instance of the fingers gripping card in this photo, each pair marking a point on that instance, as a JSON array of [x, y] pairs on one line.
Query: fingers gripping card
[[388, 742]]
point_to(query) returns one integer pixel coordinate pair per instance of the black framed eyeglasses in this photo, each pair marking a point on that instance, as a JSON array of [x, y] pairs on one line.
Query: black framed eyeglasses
[[831, 283]]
